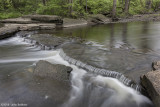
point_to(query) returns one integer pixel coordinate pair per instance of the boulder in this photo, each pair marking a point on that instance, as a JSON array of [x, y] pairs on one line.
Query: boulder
[[47, 18], [55, 71], [67, 22], [99, 19], [49, 40], [8, 31], [1, 25], [151, 82], [156, 65]]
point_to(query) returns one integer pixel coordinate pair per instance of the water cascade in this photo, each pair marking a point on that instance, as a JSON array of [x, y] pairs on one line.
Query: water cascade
[[97, 87]]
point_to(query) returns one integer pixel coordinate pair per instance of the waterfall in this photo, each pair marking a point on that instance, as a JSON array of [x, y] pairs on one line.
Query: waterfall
[[126, 81]]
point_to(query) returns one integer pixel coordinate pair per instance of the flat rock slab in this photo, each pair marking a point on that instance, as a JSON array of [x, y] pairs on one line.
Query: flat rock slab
[[47, 18], [7, 31], [55, 71], [73, 22], [19, 21], [151, 82], [38, 26]]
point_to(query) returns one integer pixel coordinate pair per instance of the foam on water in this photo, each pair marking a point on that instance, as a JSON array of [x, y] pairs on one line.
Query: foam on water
[[85, 86]]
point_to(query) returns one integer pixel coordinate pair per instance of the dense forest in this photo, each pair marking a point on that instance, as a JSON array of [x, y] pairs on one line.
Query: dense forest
[[77, 8]]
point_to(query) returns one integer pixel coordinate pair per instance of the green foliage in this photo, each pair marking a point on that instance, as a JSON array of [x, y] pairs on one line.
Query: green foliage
[[137, 8], [53, 8], [16, 8], [156, 5], [6, 15], [100, 6]]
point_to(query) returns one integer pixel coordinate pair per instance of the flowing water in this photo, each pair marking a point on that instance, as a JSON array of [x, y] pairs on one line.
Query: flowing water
[[19, 86], [128, 48]]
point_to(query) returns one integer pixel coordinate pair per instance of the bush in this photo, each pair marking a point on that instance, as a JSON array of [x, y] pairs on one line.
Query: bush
[[5, 15], [100, 6], [52, 8]]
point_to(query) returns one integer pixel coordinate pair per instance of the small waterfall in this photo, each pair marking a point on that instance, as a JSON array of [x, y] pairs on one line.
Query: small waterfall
[[89, 90], [126, 81]]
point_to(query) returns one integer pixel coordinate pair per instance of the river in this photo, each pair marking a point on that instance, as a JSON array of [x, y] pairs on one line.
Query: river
[[18, 58]]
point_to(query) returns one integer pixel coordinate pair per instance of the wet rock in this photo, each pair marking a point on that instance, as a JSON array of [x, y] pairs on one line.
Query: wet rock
[[47, 18], [8, 31], [19, 21], [73, 22], [156, 65], [55, 71], [151, 82], [49, 40], [99, 19], [1, 25]]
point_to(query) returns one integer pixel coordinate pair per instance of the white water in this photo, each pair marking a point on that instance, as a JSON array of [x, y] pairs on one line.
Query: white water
[[88, 90]]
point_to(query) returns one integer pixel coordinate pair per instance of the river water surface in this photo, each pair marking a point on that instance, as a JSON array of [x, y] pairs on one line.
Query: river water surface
[[19, 86]]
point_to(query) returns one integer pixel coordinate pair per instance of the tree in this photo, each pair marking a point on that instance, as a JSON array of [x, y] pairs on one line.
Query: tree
[[44, 2], [114, 9], [70, 6], [126, 8], [148, 4], [86, 6]]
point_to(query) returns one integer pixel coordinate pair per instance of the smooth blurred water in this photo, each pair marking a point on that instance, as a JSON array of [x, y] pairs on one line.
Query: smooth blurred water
[[18, 85], [17, 59]]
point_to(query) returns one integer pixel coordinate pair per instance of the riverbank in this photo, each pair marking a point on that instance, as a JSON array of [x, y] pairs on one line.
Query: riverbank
[[49, 22]]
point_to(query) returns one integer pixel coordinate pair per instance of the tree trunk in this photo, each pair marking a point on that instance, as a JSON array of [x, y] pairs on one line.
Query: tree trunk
[[80, 2], [44, 2], [114, 8], [148, 4], [70, 6], [126, 8], [86, 7]]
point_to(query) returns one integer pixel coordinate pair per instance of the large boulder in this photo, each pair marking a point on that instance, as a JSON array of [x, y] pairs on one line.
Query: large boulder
[[67, 22], [47, 18], [55, 71], [8, 31], [98, 19], [151, 82]]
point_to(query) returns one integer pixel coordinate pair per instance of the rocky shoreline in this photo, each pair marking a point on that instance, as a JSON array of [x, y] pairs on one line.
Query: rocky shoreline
[[49, 22]]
